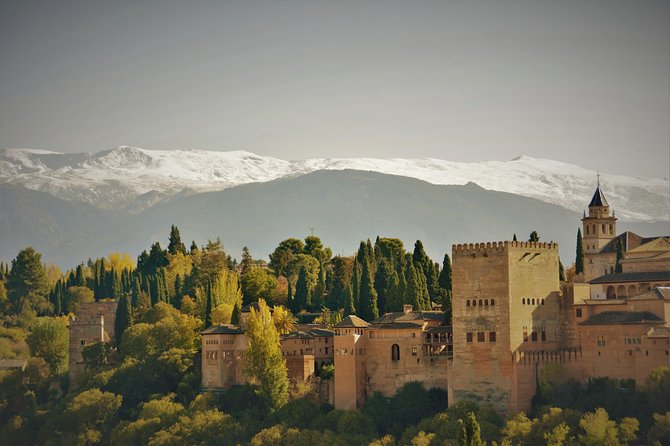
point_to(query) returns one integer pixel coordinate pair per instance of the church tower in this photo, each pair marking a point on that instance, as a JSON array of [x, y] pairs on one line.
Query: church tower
[[599, 228]]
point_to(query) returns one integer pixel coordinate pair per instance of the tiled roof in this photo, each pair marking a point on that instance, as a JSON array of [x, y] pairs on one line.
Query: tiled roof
[[656, 293], [439, 329], [395, 325], [321, 332], [598, 198], [418, 317], [298, 335], [654, 245], [223, 329], [622, 317], [352, 321], [652, 276]]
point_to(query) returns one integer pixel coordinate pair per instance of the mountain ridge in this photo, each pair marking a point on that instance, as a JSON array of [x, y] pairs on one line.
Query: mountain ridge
[[116, 178]]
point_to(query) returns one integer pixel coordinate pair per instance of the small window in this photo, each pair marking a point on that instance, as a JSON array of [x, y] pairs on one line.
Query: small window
[[474, 302], [587, 229], [533, 336], [523, 301], [467, 303], [480, 302], [493, 302], [544, 336], [83, 342], [603, 228], [395, 352], [414, 351], [480, 336], [326, 350], [578, 312], [542, 301], [486, 302], [525, 336], [468, 336], [492, 336]]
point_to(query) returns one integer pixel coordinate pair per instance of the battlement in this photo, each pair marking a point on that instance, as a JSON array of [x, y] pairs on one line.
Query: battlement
[[483, 248]]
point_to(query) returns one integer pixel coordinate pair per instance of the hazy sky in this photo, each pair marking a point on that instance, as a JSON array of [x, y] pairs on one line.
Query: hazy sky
[[579, 81]]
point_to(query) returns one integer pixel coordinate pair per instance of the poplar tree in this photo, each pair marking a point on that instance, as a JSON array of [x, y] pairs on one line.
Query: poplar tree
[[263, 360], [208, 307], [579, 259], [356, 285], [368, 296], [135, 294], [124, 318]]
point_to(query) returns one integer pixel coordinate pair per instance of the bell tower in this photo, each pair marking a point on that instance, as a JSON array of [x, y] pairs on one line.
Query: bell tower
[[599, 227]]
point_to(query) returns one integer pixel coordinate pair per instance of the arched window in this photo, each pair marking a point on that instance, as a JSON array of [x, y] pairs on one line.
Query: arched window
[[587, 229], [486, 302], [603, 228], [474, 302], [467, 303], [523, 301], [493, 302], [480, 302], [395, 352], [593, 228], [533, 301], [542, 301]]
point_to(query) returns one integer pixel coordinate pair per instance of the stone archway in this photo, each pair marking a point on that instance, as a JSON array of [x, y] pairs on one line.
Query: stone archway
[[611, 292]]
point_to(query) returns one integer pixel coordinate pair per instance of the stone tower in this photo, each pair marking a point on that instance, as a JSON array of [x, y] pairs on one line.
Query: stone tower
[[599, 227], [505, 310]]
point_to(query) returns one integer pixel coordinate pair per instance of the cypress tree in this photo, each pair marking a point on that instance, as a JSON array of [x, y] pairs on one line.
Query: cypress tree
[[579, 259], [79, 276], [412, 291], [302, 295], [135, 296], [208, 306], [290, 303], [247, 261], [445, 275], [514, 238], [115, 285], [193, 247], [153, 289], [176, 244], [619, 256], [561, 271], [348, 299], [356, 285], [368, 295], [124, 318], [235, 318]]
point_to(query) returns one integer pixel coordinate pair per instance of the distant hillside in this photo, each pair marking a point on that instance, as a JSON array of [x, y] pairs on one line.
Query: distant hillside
[[343, 207]]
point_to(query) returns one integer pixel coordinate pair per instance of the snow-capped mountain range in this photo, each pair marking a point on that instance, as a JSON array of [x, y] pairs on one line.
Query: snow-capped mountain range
[[136, 178]]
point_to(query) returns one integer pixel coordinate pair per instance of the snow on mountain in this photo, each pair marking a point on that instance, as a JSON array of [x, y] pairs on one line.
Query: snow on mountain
[[127, 176]]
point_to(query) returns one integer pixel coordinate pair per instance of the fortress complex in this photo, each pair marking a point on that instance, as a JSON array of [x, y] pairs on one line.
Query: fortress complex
[[511, 318]]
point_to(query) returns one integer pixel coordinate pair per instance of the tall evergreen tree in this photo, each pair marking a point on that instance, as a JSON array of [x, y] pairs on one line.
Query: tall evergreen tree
[[79, 276], [235, 318], [247, 261], [413, 293], [561, 271], [124, 318], [194, 248], [115, 285], [356, 285], [514, 238], [469, 433], [619, 256], [348, 299], [368, 296], [579, 259], [177, 291], [534, 237], [290, 301], [445, 275], [302, 299], [27, 280], [135, 294], [176, 245], [208, 307]]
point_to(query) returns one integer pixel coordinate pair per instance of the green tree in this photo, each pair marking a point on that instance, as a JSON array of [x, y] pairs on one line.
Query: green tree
[[469, 434], [247, 261], [534, 237], [619, 256], [28, 281], [208, 308], [445, 275], [176, 245], [257, 283], [235, 318], [303, 299], [598, 429], [282, 256], [75, 296], [123, 319], [561, 271], [49, 340], [263, 359], [368, 296], [349, 307], [579, 259]]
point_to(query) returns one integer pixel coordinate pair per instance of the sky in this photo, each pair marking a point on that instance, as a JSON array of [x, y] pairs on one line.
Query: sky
[[585, 82]]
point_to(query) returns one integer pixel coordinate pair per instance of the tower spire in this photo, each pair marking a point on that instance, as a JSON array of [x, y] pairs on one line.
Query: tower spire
[[598, 177]]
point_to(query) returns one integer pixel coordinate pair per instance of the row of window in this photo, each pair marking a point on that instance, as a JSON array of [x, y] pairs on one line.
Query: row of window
[[211, 341], [346, 351], [532, 301], [482, 302], [632, 341], [534, 336], [603, 227], [481, 336]]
